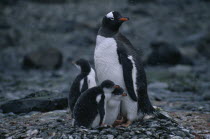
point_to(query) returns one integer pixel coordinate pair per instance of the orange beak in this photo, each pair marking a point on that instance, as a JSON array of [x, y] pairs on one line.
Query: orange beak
[[123, 19], [124, 94], [116, 86]]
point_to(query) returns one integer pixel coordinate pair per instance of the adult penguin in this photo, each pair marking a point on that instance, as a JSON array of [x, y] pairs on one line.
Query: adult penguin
[[116, 59]]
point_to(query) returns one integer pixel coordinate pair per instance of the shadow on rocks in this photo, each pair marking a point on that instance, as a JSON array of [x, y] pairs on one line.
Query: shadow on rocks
[[203, 45], [164, 53]]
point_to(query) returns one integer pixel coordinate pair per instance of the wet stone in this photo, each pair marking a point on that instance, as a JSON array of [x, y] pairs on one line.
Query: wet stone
[[120, 137], [179, 133], [94, 131], [126, 134], [110, 136]]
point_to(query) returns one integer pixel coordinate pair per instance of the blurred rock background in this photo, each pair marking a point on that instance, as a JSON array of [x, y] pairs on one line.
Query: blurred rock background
[[40, 38]]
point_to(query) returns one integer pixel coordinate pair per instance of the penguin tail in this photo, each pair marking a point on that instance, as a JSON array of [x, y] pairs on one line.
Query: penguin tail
[[159, 115]]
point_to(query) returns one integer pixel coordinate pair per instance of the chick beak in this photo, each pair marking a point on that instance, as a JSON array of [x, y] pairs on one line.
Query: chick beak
[[124, 94], [116, 86]]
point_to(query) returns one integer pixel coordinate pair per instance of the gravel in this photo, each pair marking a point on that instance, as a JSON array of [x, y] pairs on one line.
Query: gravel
[[58, 125]]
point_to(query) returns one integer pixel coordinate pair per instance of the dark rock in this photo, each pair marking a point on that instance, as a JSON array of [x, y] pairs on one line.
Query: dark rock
[[8, 2], [165, 53], [186, 60], [3, 23], [40, 101], [180, 133], [42, 93], [9, 37], [188, 107], [120, 137], [140, 1], [48, 58], [206, 0], [126, 134], [51, 1], [158, 98], [109, 136], [203, 46], [206, 96]]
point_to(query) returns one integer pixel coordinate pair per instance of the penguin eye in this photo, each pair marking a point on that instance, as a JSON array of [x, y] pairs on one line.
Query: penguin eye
[[111, 18]]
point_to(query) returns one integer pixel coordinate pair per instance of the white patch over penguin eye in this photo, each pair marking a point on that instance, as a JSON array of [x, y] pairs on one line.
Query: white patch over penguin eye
[[134, 72], [110, 15]]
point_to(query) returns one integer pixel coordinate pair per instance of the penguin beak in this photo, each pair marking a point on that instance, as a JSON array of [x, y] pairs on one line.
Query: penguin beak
[[123, 19], [116, 86], [124, 94]]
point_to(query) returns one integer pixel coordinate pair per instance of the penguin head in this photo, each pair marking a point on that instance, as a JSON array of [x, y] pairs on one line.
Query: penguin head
[[112, 90], [83, 65], [108, 87], [118, 93], [113, 20], [107, 84]]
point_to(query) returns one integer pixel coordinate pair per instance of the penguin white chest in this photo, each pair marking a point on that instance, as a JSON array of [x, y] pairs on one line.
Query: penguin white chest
[[91, 79], [108, 68], [113, 109], [107, 62]]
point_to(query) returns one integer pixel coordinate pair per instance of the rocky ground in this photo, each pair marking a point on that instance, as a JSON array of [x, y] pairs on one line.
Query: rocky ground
[[39, 39], [176, 92], [56, 124]]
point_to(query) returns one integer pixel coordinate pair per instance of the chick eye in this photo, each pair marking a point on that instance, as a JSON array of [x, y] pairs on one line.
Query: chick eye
[[111, 18]]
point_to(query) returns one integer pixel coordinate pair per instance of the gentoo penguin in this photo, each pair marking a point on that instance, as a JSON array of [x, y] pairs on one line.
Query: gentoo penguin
[[83, 81], [113, 106], [90, 108], [117, 60]]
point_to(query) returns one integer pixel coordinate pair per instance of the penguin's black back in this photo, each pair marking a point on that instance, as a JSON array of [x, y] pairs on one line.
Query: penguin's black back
[[85, 110], [75, 91]]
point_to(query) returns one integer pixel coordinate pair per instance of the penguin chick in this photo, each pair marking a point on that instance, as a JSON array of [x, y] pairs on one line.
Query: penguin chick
[[90, 109], [83, 81], [113, 106]]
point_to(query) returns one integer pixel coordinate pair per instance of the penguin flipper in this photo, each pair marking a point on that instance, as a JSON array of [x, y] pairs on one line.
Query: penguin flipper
[[101, 109], [127, 67], [74, 93]]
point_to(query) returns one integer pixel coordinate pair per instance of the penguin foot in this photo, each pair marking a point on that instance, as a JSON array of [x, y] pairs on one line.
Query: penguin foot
[[126, 124], [69, 117], [105, 125], [118, 122]]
